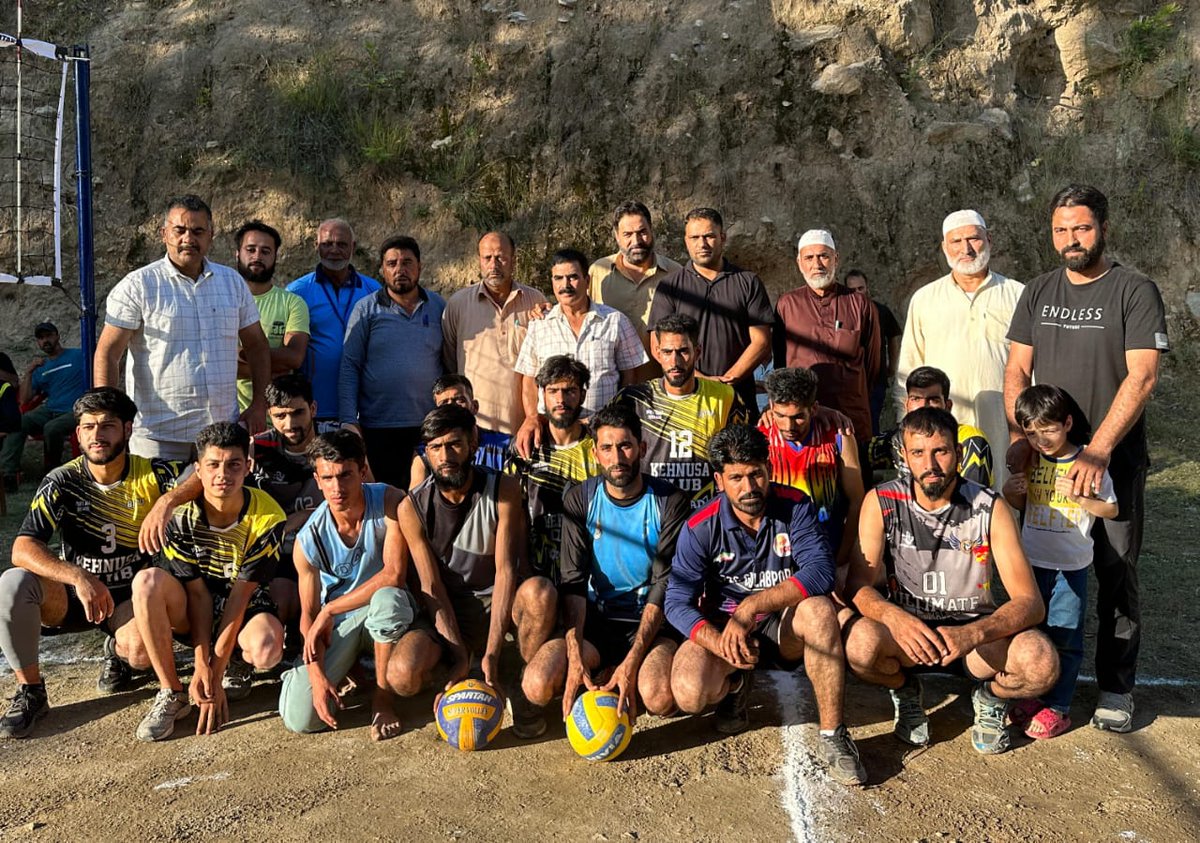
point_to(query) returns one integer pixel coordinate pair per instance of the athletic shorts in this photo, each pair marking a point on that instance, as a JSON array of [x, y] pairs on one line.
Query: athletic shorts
[[613, 637], [260, 604], [766, 634], [75, 620], [472, 612]]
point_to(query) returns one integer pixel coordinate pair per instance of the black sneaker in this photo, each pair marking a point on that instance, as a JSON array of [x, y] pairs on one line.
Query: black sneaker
[[529, 720], [841, 758], [238, 679], [29, 705], [115, 675], [733, 712]]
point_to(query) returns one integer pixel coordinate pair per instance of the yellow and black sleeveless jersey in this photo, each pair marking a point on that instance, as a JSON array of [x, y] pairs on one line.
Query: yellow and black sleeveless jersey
[[677, 428], [886, 450], [545, 477], [98, 524], [247, 550]]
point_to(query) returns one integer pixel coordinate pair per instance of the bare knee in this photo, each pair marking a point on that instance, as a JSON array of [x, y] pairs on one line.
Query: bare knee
[[864, 643], [148, 582], [655, 690], [130, 647], [1032, 656], [405, 676], [815, 621], [535, 599], [264, 649]]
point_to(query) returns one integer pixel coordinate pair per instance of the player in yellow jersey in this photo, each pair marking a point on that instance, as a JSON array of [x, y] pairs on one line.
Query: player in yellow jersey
[[220, 553]]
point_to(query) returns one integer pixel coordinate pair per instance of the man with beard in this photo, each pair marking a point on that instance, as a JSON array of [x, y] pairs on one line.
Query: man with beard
[[614, 579], [463, 526], [959, 324], [749, 589], [628, 279], [681, 411], [938, 541], [483, 329], [96, 503], [352, 563], [283, 315], [181, 318], [730, 306], [826, 328], [331, 290], [391, 357], [1097, 329], [493, 449]]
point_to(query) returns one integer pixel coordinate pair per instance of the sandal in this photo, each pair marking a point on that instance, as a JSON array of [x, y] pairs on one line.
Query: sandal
[[1021, 713], [1047, 724]]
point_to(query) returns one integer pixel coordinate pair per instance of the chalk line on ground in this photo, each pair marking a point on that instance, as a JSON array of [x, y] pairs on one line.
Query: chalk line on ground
[[800, 771]]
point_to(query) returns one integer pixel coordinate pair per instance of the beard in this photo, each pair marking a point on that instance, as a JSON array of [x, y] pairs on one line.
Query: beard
[[114, 450], [819, 280], [973, 266], [935, 486], [455, 478], [335, 266], [637, 254], [1080, 261], [402, 286], [621, 476], [753, 504], [678, 379], [261, 276], [567, 418]]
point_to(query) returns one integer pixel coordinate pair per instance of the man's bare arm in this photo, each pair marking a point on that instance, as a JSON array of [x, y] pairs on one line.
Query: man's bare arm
[[758, 350], [105, 364]]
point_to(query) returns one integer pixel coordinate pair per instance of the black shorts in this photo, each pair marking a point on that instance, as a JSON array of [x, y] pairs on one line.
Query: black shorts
[[472, 613], [767, 634], [75, 620], [260, 604], [613, 637]]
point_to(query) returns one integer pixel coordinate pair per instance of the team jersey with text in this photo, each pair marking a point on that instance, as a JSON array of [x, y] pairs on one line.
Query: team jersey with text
[[677, 429], [98, 524], [287, 478], [545, 477], [247, 550], [814, 467]]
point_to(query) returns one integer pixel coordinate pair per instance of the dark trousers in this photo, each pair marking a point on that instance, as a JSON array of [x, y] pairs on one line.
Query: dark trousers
[[390, 453], [1118, 543]]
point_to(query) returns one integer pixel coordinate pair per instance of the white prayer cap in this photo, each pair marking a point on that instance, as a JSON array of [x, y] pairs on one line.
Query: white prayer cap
[[961, 218], [816, 237]]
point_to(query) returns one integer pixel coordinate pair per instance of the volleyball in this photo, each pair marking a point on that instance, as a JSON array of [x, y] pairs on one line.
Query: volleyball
[[596, 730], [469, 715]]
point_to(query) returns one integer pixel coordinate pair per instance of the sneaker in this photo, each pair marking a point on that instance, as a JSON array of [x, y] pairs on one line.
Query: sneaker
[[733, 712], [841, 758], [115, 675], [529, 720], [238, 679], [1114, 712], [911, 723], [29, 705], [168, 707], [989, 734]]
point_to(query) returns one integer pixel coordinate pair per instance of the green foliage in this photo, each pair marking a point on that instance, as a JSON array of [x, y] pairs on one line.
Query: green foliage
[[1148, 37]]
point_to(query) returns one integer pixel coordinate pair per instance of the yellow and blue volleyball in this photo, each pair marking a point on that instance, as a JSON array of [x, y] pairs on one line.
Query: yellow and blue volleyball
[[469, 715], [596, 729]]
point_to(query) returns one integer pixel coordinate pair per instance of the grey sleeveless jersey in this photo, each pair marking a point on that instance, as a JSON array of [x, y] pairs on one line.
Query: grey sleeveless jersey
[[462, 536], [939, 564]]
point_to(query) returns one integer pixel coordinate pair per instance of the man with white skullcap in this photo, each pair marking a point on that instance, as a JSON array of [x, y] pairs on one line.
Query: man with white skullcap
[[959, 324], [826, 327]]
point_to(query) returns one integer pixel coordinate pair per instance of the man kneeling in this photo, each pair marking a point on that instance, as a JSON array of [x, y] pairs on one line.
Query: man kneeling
[[938, 538], [749, 588], [220, 553]]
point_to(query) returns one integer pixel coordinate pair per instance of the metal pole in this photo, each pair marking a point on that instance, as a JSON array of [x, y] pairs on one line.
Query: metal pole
[[83, 205]]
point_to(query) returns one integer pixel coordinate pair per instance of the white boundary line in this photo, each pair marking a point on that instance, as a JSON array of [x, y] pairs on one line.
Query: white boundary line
[[800, 772]]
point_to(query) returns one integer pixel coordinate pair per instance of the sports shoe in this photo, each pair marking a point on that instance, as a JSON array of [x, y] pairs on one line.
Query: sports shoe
[[733, 712], [989, 735], [238, 679], [115, 675], [168, 707], [529, 720], [841, 757], [29, 705], [1114, 712], [911, 723]]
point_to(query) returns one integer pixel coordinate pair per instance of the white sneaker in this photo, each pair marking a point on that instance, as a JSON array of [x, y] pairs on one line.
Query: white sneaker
[[168, 707], [1114, 712]]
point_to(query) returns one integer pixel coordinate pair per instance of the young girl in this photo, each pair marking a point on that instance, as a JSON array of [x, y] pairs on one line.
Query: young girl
[[1057, 537]]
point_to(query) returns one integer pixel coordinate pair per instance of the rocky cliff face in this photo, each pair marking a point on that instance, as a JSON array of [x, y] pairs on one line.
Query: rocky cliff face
[[441, 118]]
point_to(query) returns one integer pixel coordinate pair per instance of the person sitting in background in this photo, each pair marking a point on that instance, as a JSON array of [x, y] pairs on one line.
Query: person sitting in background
[[10, 385]]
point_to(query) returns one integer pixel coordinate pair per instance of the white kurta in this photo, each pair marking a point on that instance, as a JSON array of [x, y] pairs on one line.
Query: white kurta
[[964, 335]]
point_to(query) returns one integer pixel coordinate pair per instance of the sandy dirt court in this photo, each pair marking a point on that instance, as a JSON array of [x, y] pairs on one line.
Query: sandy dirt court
[[85, 776]]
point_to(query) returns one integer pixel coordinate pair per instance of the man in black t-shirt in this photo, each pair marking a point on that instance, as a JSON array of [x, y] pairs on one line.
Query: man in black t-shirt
[[1096, 329]]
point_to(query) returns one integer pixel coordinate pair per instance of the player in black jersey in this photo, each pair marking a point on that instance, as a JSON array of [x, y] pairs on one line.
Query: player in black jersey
[[96, 504]]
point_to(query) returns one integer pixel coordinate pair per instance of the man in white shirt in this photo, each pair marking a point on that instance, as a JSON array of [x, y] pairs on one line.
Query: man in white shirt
[[959, 324]]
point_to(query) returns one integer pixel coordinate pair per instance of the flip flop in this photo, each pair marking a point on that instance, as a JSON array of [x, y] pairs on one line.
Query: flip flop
[[1047, 724], [1020, 714]]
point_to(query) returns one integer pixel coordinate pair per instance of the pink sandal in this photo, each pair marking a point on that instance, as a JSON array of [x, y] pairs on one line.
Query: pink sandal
[[1047, 724], [1021, 713]]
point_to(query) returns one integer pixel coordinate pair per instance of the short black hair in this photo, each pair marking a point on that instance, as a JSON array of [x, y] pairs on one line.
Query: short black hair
[[710, 214], [285, 389], [929, 421], [738, 444], [569, 255], [792, 386], [441, 420], [452, 381], [561, 367], [341, 445], [189, 202], [924, 377], [678, 323], [631, 208], [1047, 404], [617, 414], [855, 271], [223, 435], [105, 399], [1085, 195], [259, 226], [402, 242], [6, 364]]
